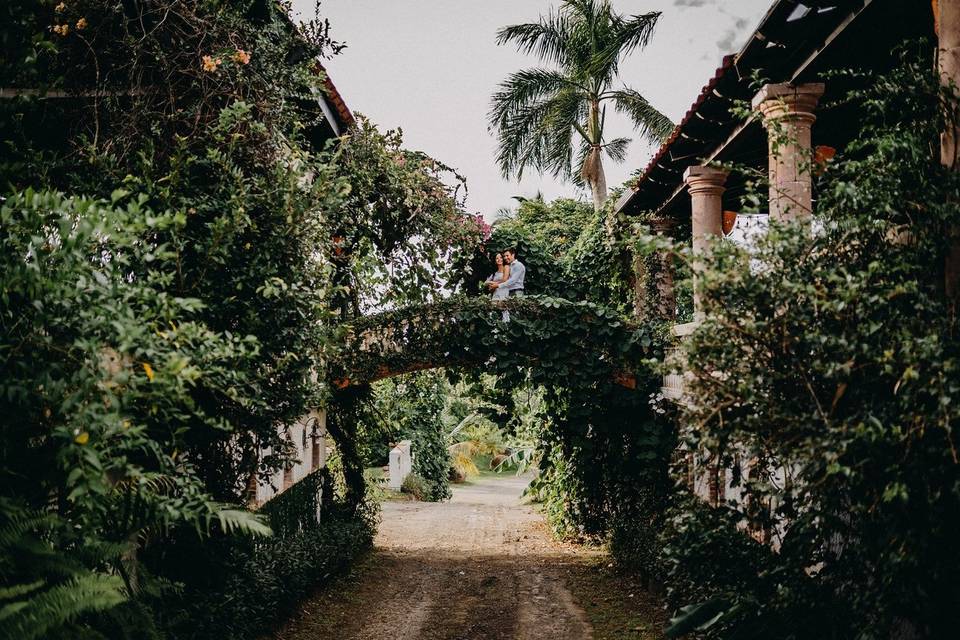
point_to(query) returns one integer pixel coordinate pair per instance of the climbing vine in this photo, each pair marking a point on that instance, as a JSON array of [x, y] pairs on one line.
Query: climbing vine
[[822, 381]]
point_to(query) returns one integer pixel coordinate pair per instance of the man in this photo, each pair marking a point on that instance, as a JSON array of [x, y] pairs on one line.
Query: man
[[513, 284]]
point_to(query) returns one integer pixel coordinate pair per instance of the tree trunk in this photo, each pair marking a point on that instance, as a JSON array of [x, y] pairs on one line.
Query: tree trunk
[[598, 185]]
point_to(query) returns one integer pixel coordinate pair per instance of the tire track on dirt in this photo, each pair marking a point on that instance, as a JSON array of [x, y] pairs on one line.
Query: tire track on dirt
[[481, 566]]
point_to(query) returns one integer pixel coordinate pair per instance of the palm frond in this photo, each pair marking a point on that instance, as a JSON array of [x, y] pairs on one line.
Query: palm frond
[[622, 37], [538, 114], [616, 149], [583, 152], [650, 123], [524, 87], [547, 39], [521, 457], [538, 135]]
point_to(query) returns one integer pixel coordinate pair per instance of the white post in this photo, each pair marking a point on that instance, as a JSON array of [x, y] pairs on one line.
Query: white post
[[401, 464]]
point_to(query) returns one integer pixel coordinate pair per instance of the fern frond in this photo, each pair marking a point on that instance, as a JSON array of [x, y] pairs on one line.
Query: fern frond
[[17, 590], [60, 605], [238, 521]]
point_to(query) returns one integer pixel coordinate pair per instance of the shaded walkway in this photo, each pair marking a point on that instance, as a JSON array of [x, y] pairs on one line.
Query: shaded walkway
[[479, 566]]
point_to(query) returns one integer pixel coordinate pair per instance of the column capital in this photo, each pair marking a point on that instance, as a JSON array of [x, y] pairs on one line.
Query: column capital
[[662, 225], [793, 101], [703, 180]]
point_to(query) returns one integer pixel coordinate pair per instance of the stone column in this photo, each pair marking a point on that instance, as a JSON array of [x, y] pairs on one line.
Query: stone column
[[667, 300], [788, 115], [947, 23], [948, 43], [706, 188]]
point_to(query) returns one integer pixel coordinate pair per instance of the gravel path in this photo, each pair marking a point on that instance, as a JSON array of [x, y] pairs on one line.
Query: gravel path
[[481, 566]]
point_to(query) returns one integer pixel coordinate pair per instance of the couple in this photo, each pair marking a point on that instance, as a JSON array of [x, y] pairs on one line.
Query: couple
[[507, 280]]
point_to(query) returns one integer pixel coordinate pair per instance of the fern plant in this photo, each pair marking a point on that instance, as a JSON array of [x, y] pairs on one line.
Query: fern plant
[[43, 589]]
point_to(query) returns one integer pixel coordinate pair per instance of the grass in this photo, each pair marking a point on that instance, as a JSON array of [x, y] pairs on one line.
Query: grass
[[617, 606]]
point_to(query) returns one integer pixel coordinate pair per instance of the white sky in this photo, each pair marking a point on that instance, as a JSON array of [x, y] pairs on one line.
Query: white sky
[[431, 66]]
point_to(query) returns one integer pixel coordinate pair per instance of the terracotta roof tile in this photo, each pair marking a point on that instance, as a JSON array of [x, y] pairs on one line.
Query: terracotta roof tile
[[707, 90], [343, 111]]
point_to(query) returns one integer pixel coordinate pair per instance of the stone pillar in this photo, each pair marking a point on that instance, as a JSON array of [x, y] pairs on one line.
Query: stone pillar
[[948, 57], [947, 24], [706, 188], [667, 300], [788, 115]]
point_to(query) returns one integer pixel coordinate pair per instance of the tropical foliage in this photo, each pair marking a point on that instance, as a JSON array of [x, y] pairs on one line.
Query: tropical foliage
[[170, 290], [410, 408], [401, 227], [568, 247], [822, 384], [552, 119], [592, 366]]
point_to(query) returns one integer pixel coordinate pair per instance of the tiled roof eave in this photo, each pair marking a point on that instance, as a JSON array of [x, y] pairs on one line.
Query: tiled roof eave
[[335, 100], [662, 154]]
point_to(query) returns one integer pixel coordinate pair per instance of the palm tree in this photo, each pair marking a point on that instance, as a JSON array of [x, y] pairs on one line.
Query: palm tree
[[542, 114]]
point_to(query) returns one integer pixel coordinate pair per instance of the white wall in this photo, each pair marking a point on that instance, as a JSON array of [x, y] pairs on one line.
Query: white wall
[[301, 434]]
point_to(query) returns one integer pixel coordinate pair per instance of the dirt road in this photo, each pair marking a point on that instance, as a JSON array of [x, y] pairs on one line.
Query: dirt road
[[481, 566]]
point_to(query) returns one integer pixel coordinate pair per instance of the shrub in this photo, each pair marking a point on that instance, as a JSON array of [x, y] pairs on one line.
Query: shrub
[[410, 407], [240, 589], [830, 358], [416, 486]]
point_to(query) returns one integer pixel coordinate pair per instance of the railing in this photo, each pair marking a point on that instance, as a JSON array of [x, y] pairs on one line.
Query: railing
[[674, 381], [300, 507]]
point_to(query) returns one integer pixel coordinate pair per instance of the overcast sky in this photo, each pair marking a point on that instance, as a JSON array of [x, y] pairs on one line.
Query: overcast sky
[[430, 67]]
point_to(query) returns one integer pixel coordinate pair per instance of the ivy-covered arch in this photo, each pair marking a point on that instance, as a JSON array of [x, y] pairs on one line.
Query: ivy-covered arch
[[602, 436], [567, 341]]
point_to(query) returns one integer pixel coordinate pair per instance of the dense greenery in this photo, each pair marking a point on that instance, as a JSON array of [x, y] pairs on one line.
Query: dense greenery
[[824, 380], [593, 369], [316, 538], [581, 343], [401, 227], [164, 320], [186, 265], [232, 162], [566, 248], [410, 408], [101, 373]]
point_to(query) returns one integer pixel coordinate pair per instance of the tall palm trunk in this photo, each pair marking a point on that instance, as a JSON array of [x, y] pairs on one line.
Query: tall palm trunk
[[599, 185], [592, 170], [592, 174]]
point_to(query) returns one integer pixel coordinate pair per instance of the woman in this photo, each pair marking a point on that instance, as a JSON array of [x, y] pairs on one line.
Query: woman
[[500, 275]]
